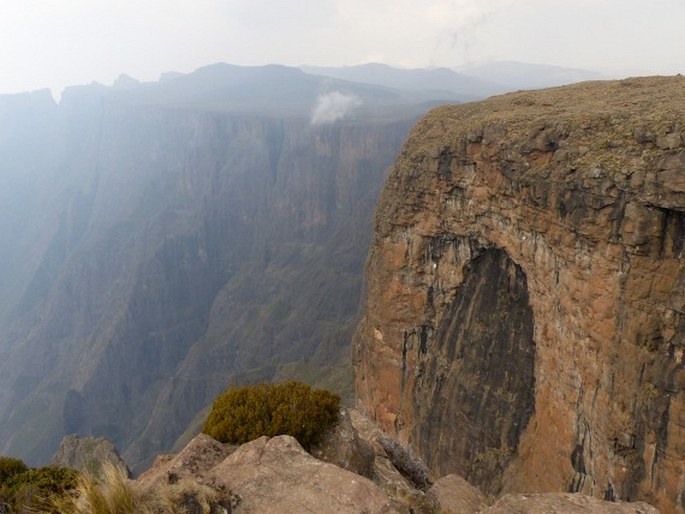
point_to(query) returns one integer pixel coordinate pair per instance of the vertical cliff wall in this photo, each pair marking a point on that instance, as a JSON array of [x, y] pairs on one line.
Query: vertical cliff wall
[[525, 315], [161, 242]]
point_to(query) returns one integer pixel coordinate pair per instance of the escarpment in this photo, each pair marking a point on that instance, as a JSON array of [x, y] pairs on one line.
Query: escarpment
[[160, 242], [525, 313]]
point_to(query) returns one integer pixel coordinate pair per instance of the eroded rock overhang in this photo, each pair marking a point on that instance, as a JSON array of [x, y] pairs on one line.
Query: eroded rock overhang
[[525, 311]]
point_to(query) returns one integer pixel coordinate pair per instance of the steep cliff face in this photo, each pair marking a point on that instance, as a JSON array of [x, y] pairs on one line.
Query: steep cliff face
[[525, 315], [160, 242]]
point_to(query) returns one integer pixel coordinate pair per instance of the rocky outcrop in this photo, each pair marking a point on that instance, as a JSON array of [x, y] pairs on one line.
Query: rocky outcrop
[[200, 455], [277, 475], [269, 475], [87, 454], [525, 317]]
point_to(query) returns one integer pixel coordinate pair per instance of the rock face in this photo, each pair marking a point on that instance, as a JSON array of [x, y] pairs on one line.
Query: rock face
[[525, 317]]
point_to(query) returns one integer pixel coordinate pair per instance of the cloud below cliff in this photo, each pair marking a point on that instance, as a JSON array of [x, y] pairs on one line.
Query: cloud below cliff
[[332, 107]]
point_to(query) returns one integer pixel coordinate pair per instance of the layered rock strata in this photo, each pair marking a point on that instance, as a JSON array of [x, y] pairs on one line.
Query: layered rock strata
[[525, 313]]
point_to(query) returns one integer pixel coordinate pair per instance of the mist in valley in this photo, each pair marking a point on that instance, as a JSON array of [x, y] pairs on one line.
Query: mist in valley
[[170, 232]]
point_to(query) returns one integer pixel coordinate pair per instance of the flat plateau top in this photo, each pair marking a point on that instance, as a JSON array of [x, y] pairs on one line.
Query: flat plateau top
[[657, 102]]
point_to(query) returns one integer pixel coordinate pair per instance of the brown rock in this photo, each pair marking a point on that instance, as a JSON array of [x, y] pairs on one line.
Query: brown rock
[[385, 474], [563, 503], [343, 447], [454, 495], [277, 476], [524, 324], [200, 455]]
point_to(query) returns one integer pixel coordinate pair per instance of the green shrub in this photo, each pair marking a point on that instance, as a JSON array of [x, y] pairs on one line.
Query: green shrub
[[33, 489], [9, 466], [241, 414]]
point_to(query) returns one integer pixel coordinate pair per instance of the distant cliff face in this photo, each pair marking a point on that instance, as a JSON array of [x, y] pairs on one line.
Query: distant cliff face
[[158, 243], [525, 316]]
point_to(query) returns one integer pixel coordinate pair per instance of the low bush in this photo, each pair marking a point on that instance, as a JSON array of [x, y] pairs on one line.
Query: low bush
[[32, 490], [241, 414], [9, 466]]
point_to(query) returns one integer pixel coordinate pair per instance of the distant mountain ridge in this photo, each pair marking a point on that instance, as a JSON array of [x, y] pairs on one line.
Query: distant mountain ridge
[[436, 81], [514, 75], [473, 82]]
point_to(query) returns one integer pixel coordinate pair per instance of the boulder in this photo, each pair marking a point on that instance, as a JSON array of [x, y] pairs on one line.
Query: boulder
[[278, 476], [343, 447], [200, 455], [453, 495]]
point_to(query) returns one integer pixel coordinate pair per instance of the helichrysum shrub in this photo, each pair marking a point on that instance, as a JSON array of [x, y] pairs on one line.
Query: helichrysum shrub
[[241, 414]]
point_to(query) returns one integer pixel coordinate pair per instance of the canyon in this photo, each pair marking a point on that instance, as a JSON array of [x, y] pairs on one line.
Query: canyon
[[523, 314], [161, 240], [524, 318]]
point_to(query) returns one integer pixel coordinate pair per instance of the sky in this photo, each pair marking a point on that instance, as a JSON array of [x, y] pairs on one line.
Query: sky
[[57, 43]]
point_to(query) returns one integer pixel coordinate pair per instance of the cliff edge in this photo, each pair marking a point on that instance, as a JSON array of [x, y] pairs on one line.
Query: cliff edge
[[525, 312]]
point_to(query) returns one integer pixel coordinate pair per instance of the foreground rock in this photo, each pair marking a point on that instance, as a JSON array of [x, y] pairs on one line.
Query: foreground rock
[[525, 318], [563, 503], [385, 474], [87, 454], [277, 476], [453, 494], [343, 447], [200, 455]]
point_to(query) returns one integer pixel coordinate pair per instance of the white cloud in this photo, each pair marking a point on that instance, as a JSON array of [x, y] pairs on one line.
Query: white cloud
[[333, 106]]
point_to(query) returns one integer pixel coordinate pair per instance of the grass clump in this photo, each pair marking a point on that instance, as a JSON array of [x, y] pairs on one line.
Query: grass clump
[[111, 492], [241, 414]]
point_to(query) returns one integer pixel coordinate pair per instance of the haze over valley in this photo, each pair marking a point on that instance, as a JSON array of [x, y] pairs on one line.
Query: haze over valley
[[445, 213]]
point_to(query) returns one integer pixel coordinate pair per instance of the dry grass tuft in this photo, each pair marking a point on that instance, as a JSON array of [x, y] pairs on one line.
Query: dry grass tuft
[[113, 493]]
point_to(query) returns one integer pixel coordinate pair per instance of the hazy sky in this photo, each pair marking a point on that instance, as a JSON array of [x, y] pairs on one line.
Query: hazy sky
[[55, 43]]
